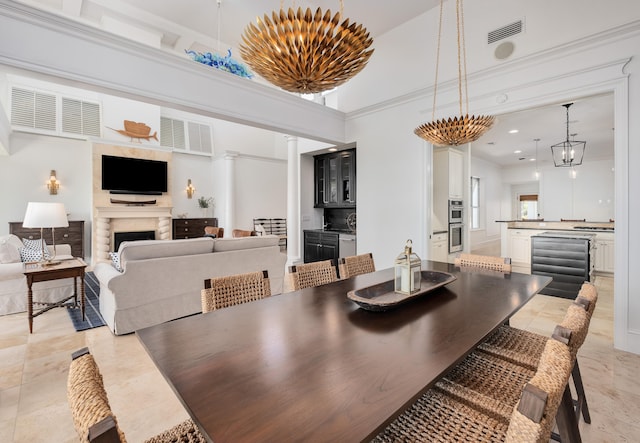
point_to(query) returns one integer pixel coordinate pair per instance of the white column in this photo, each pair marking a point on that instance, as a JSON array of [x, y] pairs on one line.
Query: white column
[[230, 199], [293, 201]]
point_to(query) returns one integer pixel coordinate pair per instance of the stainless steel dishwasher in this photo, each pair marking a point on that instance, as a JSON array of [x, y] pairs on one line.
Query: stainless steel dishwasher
[[347, 246]]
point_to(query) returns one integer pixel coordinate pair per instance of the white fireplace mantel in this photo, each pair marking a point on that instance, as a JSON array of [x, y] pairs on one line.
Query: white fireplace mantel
[[133, 211], [104, 215]]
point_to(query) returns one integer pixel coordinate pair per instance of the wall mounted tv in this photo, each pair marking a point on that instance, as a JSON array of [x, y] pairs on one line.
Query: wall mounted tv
[[124, 175]]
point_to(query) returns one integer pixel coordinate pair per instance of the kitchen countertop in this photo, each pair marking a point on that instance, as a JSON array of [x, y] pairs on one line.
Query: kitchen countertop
[[336, 231], [587, 226], [567, 234]]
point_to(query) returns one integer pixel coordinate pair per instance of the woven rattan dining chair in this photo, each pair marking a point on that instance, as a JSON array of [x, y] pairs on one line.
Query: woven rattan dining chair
[[92, 416], [500, 264], [222, 292], [440, 416], [525, 348], [313, 274], [356, 265]]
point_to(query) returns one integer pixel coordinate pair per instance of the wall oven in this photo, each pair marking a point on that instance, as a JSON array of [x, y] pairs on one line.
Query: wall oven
[[455, 211], [455, 237]]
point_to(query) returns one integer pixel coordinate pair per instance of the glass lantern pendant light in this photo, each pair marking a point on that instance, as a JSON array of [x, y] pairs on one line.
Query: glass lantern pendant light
[[408, 271], [464, 128], [568, 153]]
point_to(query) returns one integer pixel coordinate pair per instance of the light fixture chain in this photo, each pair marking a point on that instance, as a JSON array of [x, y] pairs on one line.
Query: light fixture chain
[[219, 21], [341, 9], [435, 86], [464, 57]]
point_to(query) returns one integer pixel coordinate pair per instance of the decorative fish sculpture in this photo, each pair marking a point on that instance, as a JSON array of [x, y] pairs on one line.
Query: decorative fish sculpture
[[136, 130]]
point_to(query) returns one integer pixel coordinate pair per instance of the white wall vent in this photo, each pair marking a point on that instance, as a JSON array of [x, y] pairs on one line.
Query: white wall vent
[[33, 109], [172, 133], [51, 112], [200, 138], [186, 135], [505, 31], [80, 117]]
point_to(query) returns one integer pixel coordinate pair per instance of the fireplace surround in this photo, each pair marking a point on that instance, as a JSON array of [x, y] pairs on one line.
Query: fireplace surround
[[108, 218]]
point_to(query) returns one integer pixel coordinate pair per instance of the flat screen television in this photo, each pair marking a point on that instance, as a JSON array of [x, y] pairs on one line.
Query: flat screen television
[[124, 175]]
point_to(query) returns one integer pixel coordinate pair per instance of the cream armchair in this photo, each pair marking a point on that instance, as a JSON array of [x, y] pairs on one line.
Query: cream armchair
[[13, 283]]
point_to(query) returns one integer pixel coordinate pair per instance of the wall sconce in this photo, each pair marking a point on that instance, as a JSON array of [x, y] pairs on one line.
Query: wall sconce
[[53, 184], [190, 189]]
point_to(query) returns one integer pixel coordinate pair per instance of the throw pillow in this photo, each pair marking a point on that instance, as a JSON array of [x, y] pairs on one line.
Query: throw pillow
[[36, 245], [115, 260], [28, 255]]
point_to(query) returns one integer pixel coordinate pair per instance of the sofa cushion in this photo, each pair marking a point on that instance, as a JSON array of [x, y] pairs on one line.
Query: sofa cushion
[[10, 249], [147, 249], [235, 244]]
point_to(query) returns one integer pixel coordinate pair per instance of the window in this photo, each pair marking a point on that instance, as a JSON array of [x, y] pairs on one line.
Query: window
[[528, 206], [475, 202]]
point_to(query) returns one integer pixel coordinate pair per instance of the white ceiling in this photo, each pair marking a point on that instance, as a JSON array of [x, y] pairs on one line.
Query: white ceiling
[[590, 118], [193, 24]]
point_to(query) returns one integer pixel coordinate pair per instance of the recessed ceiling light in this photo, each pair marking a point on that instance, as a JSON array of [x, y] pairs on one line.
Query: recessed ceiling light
[[333, 149], [532, 159], [513, 131], [517, 151]]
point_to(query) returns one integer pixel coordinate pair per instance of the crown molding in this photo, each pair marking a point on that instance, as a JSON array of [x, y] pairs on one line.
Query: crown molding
[[51, 45], [512, 67]]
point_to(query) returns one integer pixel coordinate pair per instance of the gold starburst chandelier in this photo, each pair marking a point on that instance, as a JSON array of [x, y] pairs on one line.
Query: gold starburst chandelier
[[304, 52], [465, 128]]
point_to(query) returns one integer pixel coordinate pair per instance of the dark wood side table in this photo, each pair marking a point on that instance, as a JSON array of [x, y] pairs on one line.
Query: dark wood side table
[[37, 272]]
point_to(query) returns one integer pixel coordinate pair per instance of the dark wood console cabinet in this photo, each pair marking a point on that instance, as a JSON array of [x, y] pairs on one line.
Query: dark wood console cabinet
[[320, 246], [191, 227], [73, 235]]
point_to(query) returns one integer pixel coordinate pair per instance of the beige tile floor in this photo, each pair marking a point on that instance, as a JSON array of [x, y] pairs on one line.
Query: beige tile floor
[[33, 373]]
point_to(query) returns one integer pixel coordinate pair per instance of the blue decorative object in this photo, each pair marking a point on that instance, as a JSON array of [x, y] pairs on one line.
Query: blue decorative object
[[223, 63]]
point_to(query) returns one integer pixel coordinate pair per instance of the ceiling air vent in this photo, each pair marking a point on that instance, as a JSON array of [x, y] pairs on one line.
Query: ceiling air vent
[[504, 32]]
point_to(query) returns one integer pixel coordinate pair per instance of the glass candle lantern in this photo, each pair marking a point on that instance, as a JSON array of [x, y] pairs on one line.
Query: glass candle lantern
[[408, 272]]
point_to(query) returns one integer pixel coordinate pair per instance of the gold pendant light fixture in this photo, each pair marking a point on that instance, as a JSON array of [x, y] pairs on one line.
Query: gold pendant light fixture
[[304, 52], [464, 128]]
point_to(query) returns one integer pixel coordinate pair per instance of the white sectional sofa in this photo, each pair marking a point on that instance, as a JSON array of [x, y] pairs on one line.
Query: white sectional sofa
[[161, 280], [13, 283]]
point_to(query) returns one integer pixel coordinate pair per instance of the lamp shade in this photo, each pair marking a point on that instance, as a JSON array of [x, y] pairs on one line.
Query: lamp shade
[[45, 215]]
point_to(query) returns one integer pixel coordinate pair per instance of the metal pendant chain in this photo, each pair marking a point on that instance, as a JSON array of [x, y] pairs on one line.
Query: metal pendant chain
[[462, 64], [435, 84]]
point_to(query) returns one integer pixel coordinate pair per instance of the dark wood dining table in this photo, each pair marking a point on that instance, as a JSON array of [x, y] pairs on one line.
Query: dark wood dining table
[[312, 365]]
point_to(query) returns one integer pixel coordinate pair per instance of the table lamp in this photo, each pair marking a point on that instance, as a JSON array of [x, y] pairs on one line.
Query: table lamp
[[46, 215]]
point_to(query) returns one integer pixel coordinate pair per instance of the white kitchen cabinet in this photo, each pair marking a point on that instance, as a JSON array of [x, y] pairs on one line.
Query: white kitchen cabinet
[[439, 248], [604, 252], [448, 173], [519, 248], [456, 174]]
